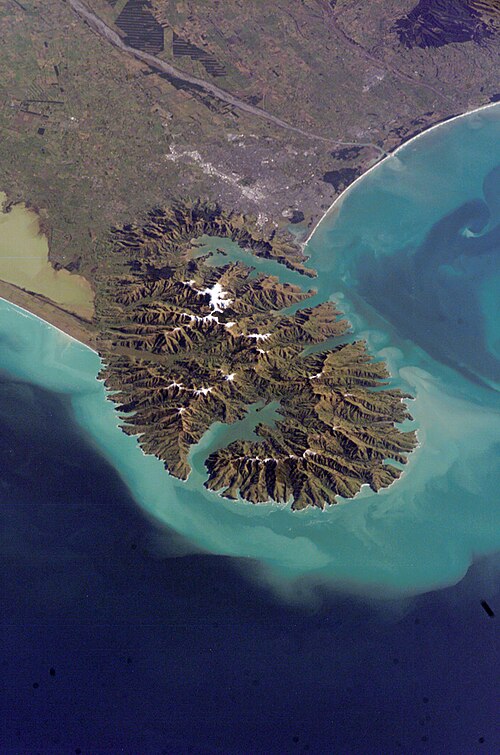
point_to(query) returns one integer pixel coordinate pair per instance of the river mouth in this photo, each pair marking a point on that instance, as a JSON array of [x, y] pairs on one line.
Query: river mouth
[[24, 262]]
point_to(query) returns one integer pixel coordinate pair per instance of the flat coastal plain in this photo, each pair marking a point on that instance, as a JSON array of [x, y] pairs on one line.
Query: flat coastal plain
[[112, 112], [94, 136]]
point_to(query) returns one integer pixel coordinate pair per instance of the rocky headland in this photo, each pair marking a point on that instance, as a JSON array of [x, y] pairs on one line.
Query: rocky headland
[[186, 344]]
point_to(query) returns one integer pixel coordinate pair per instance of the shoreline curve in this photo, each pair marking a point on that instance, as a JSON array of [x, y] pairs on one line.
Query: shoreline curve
[[388, 156], [50, 324], [304, 243]]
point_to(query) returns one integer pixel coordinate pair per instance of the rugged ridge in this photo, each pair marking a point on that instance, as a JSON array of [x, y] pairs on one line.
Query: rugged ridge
[[186, 344]]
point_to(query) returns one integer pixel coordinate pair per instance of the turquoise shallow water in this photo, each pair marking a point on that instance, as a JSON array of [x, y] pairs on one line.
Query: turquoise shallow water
[[411, 255]]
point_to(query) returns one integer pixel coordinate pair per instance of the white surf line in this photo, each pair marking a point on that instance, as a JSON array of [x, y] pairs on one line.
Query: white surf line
[[388, 157], [46, 322], [304, 243]]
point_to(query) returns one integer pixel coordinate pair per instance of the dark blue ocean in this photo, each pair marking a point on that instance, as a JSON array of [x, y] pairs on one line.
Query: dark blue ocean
[[145, 615], [113, 641]]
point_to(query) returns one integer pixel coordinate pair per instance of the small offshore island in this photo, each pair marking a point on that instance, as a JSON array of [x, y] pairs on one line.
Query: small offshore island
[[186, 344]]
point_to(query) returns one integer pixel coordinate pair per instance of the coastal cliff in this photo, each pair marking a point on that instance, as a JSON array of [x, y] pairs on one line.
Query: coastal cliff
[[186, 344]]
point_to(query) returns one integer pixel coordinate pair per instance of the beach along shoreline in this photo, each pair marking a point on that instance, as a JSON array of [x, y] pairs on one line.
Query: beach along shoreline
[[337, 201], [71, 325], [83, 330], [24, 261]]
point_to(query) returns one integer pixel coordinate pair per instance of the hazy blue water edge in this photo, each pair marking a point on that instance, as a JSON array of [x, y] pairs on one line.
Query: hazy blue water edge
[[115, 638], [425, 530], [157, 649]]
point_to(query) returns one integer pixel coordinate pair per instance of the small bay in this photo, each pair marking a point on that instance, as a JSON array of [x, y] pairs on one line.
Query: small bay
[[119, 635], [430, 212], [117, 639]]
